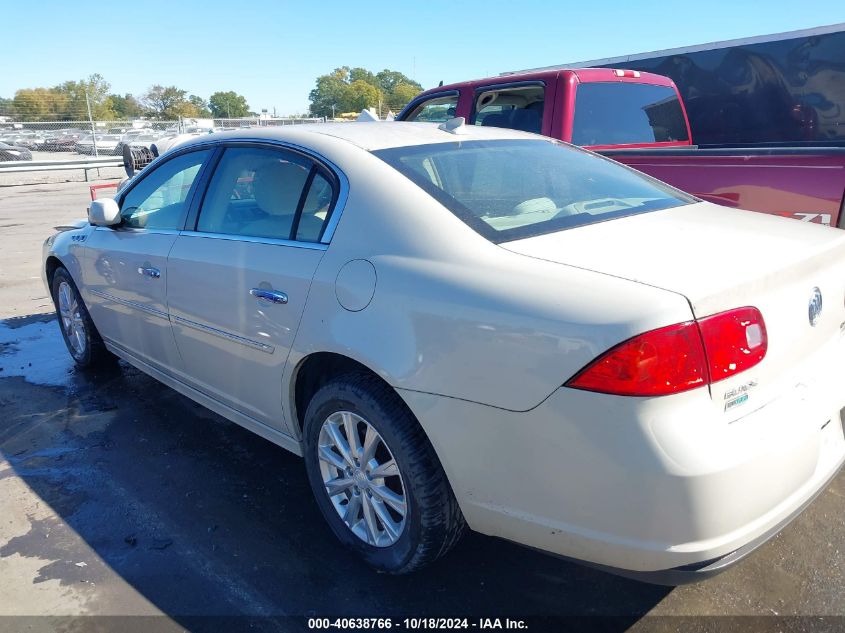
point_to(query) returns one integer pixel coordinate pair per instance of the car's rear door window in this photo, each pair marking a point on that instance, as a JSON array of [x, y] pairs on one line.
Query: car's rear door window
[[513, 107], [266, 193]]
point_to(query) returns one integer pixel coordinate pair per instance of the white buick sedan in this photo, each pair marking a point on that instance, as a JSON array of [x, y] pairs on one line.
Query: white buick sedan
[[460, 326]]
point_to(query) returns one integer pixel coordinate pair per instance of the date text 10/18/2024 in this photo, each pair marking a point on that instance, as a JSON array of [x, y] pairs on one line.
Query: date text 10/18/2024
[[413, 624]]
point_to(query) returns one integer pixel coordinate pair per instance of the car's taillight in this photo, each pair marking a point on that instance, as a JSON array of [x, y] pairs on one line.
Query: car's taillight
[[734, 341], [656, 363], [678, 357]]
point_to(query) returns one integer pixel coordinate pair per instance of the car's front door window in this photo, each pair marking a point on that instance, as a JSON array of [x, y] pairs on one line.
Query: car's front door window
[[158, 201]]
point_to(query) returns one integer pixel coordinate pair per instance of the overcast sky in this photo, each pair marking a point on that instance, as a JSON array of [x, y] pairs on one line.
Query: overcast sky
[[271, 52]]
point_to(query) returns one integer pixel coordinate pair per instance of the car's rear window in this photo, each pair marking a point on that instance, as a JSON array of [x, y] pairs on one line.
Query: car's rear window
[[608, 113], [512, 189]]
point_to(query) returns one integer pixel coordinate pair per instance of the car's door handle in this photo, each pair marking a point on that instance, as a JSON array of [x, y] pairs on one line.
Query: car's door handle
[[151, 272], [272, 296]]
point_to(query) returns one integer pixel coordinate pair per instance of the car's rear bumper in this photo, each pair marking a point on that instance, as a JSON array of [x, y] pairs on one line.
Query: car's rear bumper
[[696, 572], [660, 489]]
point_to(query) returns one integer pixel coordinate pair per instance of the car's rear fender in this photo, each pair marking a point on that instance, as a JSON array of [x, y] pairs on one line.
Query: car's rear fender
[[505, 332]]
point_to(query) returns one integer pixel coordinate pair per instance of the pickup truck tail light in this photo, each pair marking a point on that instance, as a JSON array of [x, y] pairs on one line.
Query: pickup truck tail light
[[678, 357]]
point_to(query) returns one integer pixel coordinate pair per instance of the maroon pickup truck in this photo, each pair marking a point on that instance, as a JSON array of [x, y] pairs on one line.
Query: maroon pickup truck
[[639, 119]]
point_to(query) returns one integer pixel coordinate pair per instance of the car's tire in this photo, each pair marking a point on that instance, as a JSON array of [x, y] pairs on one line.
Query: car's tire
[[81, 337], [432, 523]]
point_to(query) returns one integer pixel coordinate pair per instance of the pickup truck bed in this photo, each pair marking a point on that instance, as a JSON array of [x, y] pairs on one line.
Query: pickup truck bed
[[805, 183]]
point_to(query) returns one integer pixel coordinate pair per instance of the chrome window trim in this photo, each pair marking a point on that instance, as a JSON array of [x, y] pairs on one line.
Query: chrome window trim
[[316, 246], [261, 347], [137, 229], [342, 180], [131, 304]]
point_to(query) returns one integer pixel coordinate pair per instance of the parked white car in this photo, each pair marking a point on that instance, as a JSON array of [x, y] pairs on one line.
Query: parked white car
[[106, 144], [475, 326]]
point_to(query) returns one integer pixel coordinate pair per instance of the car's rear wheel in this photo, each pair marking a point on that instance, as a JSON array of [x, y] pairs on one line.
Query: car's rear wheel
[[376, 477], [78, 330]]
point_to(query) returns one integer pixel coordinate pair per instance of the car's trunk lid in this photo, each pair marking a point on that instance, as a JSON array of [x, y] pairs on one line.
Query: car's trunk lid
[[721, 259]]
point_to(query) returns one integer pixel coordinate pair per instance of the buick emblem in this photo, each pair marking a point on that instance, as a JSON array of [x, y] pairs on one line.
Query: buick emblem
[[815, 306]]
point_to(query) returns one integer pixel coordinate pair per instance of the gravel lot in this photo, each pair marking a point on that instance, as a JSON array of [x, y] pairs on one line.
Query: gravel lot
[[120, 497]]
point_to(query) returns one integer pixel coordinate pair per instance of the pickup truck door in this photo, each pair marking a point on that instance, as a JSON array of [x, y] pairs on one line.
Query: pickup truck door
[[238, 283], [125, 267]]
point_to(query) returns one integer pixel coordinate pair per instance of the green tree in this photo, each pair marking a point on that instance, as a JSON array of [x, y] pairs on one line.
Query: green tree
[[7, 107], [360, 95], [327, 97], [67, 101], [36, 104], [97, 90], [168, 102], [228, 105], [401, 95], [353, 89], [361, 74], [389, 80], [126, 107], [201, 106]]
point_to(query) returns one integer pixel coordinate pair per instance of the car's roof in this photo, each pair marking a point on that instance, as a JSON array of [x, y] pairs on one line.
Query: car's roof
[[369, 135]]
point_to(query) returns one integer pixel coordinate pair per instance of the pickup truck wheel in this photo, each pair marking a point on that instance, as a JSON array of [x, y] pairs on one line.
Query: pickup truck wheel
[[78, 330], [376, 477]]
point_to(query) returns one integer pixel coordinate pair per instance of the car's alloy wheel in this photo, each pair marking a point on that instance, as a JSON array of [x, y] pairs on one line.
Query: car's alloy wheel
[[362, 479], [81, 337], [73, 324], [376, 477]]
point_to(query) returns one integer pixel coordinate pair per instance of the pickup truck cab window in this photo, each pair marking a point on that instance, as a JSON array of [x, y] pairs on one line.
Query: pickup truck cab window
[[435, 110], [615, 113], [158, 200], [266, 193], [514, 107]]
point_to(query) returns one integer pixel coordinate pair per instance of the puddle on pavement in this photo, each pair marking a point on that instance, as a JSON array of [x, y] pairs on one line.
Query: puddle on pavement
[[35, 351]]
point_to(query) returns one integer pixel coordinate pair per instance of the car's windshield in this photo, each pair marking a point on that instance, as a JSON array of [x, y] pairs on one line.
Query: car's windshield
[[511, 189]]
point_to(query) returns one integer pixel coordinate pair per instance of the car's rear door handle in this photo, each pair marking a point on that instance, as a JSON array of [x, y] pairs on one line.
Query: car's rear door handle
[[272, 296], [153, 273]]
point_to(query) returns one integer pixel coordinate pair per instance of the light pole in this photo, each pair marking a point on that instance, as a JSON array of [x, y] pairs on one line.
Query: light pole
[[91, 121]]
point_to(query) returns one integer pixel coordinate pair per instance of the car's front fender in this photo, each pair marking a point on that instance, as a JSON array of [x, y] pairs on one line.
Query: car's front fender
[[67, 246]]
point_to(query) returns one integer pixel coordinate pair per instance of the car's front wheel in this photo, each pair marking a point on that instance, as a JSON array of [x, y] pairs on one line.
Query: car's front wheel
[[81, 337], [376, 477]]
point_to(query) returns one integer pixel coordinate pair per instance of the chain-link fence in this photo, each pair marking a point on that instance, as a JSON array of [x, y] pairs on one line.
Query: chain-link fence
[[60, 140]]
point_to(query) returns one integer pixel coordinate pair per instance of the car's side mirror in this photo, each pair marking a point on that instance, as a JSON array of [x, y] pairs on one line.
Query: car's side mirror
[[104, 212]]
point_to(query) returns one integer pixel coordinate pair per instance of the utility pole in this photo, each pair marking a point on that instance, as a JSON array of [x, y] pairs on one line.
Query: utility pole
[[332, 111], [91, 121]]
